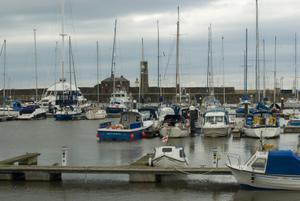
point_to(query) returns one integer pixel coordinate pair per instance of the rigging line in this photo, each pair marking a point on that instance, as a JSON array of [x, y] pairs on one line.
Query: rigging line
[[169, 58]]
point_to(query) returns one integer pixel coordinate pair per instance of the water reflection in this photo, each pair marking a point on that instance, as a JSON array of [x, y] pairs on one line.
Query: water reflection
[[251, 195]]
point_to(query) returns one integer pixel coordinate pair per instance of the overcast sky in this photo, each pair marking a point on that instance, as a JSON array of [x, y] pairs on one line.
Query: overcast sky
[[92, 20]]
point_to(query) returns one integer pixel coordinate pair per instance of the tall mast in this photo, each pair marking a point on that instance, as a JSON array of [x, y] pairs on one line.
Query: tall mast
[[113, 64], [35, 66], [97, 47], [257, 76], [4, 70], [55, 64], [295, 79], [264, 70], [246, 64], [275, 66], [158, 55], [223, 69], [177, 60], [141, 87], [63, 41], [210, 63], [70, 63]]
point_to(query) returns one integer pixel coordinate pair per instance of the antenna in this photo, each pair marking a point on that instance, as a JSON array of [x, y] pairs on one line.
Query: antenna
[[246, 63], [295, 84], [113, 64], [158, 55]]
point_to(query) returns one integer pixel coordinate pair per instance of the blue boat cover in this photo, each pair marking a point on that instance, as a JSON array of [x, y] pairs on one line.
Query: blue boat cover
[[283, 162]]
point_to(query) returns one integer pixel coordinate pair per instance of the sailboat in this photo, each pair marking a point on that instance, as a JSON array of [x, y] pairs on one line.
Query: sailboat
[[175, 125], [119, 99], [67, 103]]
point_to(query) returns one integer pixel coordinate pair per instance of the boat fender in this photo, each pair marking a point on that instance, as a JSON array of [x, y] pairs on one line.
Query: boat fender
[[252, 178], [150, 162]]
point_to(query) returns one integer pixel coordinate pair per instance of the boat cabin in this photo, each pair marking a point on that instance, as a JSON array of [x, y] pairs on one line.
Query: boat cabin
[[216, 117], [283, 162], [131, 120], [149, 113], [172, 120], [173, 152], [262, 119]]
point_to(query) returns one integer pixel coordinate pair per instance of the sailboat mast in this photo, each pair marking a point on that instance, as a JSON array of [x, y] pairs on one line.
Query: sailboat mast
[[264, 70], [223, 69], [295, 79], [246, 64], [63, 41], [257, 73], [177, 60], [275, 66], [158, 55], [35, 66], [210, 63], [55, 64], [113, 64], [4, 70], [70, 63], [97, 48]]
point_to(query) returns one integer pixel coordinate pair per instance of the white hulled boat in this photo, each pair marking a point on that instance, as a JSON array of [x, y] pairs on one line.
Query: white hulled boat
[[262, 124], [216, 123], [168, 157], [269, 170], [175, 126]]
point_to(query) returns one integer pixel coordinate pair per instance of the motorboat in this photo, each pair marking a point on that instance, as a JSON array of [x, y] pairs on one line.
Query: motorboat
[[67, 113], [11, 110], [95, 113], [119, 102], [216, 123], [268, 170], [292, 125], [32, 112], [175, 126], [292, 103], [150, 114], [168, 157], [49, 100], [130, 127], [262, 124]]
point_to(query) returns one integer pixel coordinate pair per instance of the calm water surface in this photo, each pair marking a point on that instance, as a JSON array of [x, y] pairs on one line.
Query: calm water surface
[[48, 136]]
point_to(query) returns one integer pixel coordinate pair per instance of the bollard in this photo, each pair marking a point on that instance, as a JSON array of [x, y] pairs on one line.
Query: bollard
[[65, 156]]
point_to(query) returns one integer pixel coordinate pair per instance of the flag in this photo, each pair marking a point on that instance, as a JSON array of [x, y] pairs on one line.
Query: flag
[[165, 139]]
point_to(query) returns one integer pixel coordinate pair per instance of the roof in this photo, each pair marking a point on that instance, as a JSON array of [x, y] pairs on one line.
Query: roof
[[283, 162], [117, 79], [62, 86]]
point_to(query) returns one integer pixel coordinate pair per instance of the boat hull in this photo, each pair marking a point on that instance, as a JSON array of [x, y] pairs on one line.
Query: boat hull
[[265, 132], [167, 162], [216, 131], [173, 132], [120, 135], [94, 115], [263, 181]]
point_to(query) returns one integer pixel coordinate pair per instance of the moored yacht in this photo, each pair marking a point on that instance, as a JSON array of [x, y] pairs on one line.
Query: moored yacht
[[216, 123]]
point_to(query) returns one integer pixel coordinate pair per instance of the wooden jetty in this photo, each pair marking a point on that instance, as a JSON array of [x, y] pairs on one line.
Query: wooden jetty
[[138, 171]]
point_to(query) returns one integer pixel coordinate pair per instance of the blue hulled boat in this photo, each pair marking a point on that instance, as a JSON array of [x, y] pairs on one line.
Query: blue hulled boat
[[131, 127]]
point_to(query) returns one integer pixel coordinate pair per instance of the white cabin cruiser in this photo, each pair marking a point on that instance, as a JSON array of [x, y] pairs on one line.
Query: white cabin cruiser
[[168, 157], [119, 102], [95, 113], [216, 123], [269, 170]]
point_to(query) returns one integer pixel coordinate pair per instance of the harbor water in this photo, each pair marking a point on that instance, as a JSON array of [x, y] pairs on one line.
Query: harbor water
[[48, 137]]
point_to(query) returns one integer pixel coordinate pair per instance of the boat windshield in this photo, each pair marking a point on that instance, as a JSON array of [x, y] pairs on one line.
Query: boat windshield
[[259, 164], [219, 119]]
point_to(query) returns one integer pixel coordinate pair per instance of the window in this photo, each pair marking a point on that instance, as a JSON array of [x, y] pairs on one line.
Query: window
[[259, 164], [219, 119], [181, 153], [167, 150], [210, 119]]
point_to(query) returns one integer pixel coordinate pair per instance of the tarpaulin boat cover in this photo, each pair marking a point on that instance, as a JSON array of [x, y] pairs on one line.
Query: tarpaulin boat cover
[[283, 162]]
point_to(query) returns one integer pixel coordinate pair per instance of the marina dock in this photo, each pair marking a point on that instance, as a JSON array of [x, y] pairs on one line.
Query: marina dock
[[138, 172]]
